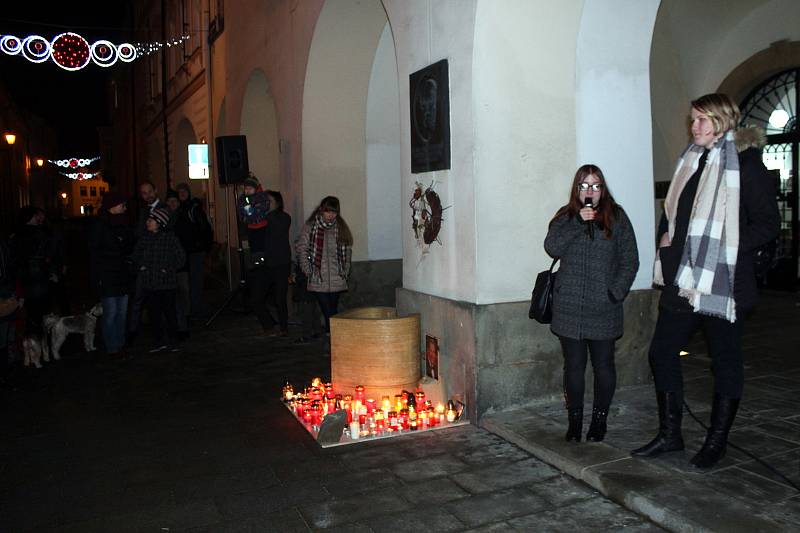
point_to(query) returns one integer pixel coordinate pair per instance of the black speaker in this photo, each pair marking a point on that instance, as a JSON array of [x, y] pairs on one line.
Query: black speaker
[[232, 165]]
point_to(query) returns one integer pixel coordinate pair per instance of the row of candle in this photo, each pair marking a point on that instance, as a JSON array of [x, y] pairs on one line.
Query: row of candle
[[408, 412]]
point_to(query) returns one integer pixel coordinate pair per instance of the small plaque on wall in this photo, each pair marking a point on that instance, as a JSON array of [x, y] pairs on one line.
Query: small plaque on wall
[[432, 357], [429, 92]]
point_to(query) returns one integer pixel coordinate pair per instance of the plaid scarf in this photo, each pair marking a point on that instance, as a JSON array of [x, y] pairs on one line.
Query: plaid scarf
[[708, 262], [317, 240]]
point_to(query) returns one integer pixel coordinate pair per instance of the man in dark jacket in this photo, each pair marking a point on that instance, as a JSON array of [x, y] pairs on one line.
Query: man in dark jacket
[[149, 195], [196, 236], [33, 251], [110, 246]]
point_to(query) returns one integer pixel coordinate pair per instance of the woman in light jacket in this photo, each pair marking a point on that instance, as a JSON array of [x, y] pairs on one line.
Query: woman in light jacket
[[324, 252], [596, 244]]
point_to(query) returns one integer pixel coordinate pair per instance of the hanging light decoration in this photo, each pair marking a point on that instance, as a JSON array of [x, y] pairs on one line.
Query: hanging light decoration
[[80, 176], [72, 52], [74, 162]]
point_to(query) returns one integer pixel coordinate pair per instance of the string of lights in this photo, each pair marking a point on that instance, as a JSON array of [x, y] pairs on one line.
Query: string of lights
[[73, 162], [72, 52], [80, 176]]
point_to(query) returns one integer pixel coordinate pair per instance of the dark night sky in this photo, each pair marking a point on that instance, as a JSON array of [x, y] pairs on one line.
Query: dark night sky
[[74, 103]]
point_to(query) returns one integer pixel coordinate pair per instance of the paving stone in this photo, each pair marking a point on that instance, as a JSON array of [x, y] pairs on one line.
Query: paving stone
[[563, 490], [495, 453], [505, 475], [288, 521], [496, 506], [429, 467], [596, 514], [497, 527], [360, 480], [269, 500], [415, 519], [339, 511], [431, 491]]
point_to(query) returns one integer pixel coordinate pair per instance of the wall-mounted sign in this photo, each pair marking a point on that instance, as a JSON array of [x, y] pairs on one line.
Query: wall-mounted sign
[[430, 118], [198, 161]]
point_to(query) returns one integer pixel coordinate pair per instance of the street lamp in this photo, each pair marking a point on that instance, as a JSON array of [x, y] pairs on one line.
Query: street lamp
[[39, 162], [10, 138], [63, 196]]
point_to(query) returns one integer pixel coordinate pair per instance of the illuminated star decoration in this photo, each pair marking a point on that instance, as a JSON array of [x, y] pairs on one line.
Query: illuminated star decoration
[[73, 162], [72, 52], [79, 176]]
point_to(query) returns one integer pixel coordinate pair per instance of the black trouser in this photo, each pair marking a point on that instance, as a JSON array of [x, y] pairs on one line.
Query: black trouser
[[673, 330], [35, 309], [329, 305], [264, 280], [161, 308], [605, 373]]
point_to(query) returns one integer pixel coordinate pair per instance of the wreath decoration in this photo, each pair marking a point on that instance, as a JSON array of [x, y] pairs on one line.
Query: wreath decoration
[[426, 214]]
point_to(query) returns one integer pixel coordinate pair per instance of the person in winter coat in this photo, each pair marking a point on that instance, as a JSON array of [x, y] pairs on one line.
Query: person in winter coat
[[719, 208], [196, 242], [272, 276], [158, 256], [596, 244], [32, 247], [180, 225], [110, 246], [324, 252]]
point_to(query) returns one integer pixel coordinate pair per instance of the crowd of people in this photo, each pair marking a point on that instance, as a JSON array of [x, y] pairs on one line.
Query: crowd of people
[[720, 208], [156, 264]]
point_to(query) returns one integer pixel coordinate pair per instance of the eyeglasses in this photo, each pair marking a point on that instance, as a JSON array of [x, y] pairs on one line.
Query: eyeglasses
[[596, 187]]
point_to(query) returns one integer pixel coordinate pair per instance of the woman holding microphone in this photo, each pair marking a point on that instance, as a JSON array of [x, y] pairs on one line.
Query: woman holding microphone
[[599, 259]]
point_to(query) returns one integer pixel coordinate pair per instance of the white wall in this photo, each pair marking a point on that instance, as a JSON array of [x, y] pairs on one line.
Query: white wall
[[426, 31], [613, 124], [524, 124], [384, 179], [338, 74], [259, 122]]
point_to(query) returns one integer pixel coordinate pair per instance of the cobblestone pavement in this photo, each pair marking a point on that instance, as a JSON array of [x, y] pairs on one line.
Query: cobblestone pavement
[[198, 441]]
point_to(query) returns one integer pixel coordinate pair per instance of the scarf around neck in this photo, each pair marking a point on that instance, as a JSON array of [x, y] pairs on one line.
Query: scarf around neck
[[317, 240], [708, 261]]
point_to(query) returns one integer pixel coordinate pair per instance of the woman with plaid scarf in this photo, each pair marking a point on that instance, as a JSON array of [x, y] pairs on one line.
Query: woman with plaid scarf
[[323, 252], [719, 209]]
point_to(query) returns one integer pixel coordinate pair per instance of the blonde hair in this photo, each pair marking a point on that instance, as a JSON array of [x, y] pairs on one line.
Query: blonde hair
[[720, 109]]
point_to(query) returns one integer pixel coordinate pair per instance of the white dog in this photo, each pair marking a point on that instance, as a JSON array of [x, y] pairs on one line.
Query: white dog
[[32, 348], [57, 329]]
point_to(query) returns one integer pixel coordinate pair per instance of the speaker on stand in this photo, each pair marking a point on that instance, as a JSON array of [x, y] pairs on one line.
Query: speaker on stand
[[232, 168]]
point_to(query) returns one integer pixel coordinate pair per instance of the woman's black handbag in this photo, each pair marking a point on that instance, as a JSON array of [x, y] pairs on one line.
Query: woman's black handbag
[[542, 296]]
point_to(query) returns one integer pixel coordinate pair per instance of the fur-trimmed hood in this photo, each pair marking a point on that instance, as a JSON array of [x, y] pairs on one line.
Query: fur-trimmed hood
[[749, 137]]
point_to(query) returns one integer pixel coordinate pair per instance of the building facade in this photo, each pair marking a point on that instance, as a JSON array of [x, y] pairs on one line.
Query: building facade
[[321, 89]]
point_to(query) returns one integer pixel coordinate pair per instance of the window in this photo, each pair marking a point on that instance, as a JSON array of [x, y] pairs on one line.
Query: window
[[93, 191], [83, 190], [773, 106], [102, 191]]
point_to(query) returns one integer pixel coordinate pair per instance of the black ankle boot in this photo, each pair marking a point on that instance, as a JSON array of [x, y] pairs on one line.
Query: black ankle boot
[[723, 411], [597, 429], [575, 425], [668, 439]]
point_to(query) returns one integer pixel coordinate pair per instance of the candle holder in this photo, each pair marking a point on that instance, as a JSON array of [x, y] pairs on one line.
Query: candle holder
[[287, 392], [359, 394], [371, 404]]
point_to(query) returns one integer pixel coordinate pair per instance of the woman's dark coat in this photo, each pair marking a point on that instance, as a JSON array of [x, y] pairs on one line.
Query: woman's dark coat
[[594, 277], [110, 247]]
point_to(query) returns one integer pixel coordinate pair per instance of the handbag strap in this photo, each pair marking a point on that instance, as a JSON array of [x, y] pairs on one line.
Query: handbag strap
[[553, 264]]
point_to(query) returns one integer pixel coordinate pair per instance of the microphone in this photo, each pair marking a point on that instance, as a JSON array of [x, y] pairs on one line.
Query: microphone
[[589, 223]]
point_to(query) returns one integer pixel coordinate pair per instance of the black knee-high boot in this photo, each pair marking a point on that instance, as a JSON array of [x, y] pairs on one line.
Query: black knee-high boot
[[669, 438], [723, 412]]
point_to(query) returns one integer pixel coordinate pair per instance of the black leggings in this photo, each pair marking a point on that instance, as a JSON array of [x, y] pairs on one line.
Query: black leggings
[[605, 373], [672, 334], [329, 305]]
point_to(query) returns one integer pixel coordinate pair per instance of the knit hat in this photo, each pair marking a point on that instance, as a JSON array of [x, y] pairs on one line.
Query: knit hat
[[161, 216], [112, 199], [252, 181]]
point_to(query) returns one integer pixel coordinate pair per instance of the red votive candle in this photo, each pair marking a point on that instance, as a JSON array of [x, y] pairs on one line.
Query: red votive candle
[[371, 405], [393, 420], [420, 396], [359, 395]]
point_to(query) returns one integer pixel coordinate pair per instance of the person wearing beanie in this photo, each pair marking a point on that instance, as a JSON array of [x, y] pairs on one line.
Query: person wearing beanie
[[158, 256], [110, 246], [253, 207]]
